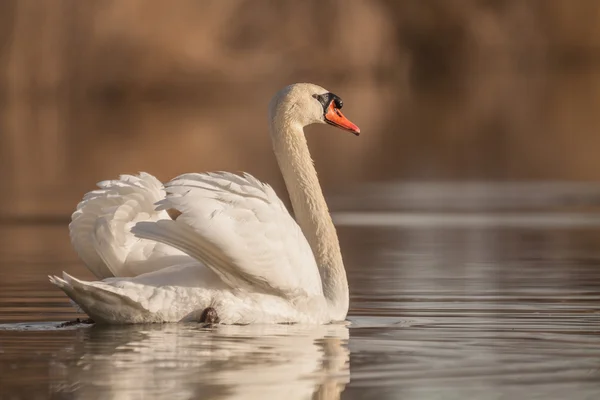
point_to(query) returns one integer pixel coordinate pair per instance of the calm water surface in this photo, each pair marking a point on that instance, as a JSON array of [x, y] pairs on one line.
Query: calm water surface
[[471, 311]]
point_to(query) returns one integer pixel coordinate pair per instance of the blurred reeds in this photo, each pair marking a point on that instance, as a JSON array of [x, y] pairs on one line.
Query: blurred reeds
[[442, 89]]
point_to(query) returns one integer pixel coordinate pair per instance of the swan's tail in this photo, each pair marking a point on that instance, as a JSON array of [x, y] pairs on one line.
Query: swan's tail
[[100, 233], [102, 302]]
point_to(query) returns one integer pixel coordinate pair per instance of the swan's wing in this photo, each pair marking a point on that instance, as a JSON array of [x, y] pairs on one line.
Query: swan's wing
[[100, 228], [238, 227]]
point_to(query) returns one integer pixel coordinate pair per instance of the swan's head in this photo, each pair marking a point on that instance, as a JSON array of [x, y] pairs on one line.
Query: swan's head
[[307, 104]]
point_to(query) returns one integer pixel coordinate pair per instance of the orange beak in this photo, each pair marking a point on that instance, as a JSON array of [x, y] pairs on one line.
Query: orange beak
[[335, 117]]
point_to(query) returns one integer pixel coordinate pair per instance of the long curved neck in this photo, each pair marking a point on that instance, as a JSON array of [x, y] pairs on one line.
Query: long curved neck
[[312, 214]]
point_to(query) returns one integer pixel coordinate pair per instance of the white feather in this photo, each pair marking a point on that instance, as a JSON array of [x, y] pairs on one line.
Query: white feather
[[100, 228]]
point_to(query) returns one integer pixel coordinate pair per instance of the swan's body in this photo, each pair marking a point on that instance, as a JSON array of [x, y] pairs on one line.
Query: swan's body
[[231, 245]]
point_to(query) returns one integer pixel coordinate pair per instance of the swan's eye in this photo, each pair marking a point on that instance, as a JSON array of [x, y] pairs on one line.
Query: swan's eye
[[322, 98], [327, 99]]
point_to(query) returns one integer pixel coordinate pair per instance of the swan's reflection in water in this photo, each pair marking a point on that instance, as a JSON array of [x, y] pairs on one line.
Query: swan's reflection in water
[[186, 361]]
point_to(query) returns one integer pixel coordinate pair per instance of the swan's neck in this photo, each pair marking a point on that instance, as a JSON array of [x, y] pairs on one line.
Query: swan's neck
[[312, 214]]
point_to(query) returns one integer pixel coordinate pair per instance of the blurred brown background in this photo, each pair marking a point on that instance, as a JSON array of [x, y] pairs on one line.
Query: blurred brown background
[[442, 89]]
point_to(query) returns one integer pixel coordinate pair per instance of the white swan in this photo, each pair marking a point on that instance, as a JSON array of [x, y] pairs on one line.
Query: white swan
[[217, 243]]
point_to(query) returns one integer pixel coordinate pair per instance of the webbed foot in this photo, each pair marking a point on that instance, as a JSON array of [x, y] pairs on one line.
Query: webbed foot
[[209, 316]]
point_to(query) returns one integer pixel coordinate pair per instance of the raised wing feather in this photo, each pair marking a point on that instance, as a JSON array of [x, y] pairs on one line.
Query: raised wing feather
[[238, 227], [100, 228]]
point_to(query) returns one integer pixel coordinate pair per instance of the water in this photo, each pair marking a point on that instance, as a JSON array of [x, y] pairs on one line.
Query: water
[[453, 311]]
